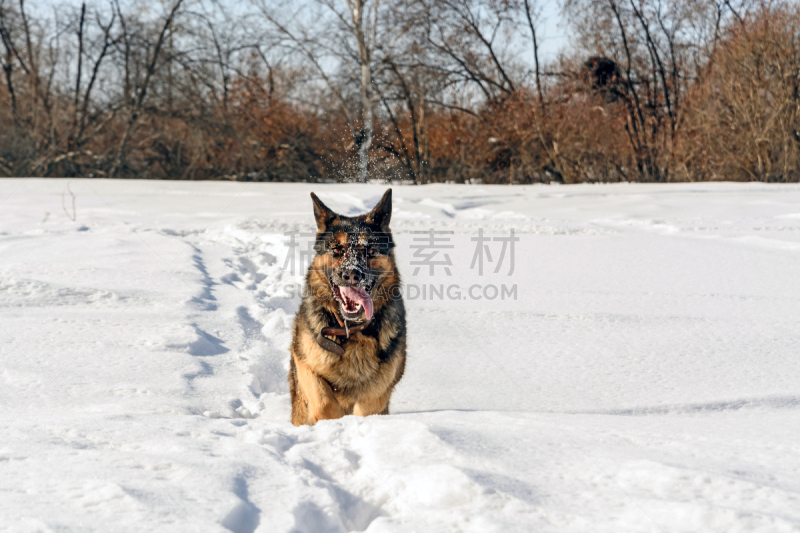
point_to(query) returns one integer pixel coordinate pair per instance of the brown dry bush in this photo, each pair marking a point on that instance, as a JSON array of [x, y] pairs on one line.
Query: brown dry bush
[[745, 114]]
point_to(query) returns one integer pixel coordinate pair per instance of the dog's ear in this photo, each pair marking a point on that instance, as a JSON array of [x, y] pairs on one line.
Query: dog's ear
[[322, 214], [381, 214]]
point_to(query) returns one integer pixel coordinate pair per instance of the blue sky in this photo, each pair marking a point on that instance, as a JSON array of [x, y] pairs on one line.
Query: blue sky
[[552, 29]]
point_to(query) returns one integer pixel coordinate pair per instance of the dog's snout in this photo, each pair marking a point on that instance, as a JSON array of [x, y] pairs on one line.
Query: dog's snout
[[352, 277]]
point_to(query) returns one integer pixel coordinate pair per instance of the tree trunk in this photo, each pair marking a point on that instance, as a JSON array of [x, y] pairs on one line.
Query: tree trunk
[[366, 131]]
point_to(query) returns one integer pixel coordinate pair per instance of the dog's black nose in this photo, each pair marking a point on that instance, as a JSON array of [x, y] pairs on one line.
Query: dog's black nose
[[351, 277]]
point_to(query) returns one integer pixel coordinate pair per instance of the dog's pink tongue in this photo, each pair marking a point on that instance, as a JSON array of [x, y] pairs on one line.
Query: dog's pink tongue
[[357, 294]]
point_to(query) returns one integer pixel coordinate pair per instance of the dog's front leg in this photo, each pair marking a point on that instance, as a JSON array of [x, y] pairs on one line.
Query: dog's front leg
[[322, 404], [373, 406]]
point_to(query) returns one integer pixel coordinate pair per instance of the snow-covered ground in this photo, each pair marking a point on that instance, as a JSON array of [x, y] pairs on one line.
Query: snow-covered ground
[[645, 378]]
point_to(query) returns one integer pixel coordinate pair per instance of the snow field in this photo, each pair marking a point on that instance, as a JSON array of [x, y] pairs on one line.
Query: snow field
[[645, 379]]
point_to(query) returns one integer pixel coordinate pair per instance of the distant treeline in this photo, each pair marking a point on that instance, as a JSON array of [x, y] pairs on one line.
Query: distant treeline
[[421, 90]]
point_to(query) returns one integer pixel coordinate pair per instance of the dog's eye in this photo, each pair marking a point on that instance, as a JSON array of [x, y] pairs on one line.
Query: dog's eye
[[337, 251]]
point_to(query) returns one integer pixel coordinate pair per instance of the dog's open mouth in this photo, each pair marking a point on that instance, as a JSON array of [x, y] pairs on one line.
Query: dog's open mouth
[[352, 300]]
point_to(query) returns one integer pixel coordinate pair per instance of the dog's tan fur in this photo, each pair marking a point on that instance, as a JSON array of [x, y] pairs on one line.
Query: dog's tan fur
[[325, 385]]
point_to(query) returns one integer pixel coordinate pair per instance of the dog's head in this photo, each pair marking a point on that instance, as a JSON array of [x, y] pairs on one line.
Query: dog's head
[[354, 254]]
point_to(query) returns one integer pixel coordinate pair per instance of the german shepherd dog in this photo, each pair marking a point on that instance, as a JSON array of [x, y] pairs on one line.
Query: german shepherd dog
[[349, 346]]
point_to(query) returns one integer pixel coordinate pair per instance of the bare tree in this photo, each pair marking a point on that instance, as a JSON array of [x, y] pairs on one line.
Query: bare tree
[[346, 31], [142, 91]]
